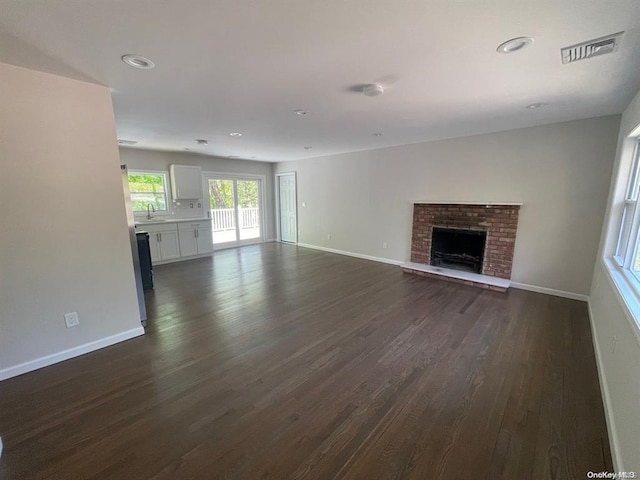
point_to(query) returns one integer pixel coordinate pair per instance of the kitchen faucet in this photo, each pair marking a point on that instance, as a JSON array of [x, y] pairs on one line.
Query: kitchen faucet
[[149, 209]]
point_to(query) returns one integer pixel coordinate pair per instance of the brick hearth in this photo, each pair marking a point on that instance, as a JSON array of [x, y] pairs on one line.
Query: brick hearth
[[499, 221]]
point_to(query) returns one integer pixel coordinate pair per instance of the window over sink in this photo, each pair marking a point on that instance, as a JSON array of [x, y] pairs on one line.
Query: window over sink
[[148, 190]]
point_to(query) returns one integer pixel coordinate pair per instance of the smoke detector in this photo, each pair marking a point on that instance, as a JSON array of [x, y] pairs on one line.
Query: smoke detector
[[591, 48], [373, 90]]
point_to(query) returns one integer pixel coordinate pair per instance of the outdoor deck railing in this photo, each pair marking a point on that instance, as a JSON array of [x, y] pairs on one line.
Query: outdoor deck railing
[[225, 218]]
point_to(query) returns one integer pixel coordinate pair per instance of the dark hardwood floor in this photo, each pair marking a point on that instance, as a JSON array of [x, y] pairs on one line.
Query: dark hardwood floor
[[279, 362]]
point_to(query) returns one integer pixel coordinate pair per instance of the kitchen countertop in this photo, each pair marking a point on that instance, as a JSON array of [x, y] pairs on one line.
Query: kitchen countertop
[[142, 223]]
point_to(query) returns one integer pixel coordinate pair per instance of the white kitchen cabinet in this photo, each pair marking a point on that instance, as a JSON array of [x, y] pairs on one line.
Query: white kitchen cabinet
[[195, 238], [163, 241], [188, 245], [186, 182], [205, 239]]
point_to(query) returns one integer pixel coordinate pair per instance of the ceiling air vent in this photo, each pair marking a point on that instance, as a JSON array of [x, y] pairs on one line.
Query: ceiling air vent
[[591, 48]]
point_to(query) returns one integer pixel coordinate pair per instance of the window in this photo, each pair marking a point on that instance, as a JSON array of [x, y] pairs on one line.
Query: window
[[624, 264], [627, 253], [148, 189], [628, 213]]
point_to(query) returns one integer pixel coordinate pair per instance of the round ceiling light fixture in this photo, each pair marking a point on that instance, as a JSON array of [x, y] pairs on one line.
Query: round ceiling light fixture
[[235, 134], [533, 106], [376, 134], [300, 112], [373, 90], [138, 61], [514, 45]]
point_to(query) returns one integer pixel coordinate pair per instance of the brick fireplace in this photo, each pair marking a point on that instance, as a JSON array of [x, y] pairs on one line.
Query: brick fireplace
[[498, 222]]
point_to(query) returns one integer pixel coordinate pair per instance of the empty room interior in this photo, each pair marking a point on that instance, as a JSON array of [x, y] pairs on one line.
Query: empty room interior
[[319, 240]]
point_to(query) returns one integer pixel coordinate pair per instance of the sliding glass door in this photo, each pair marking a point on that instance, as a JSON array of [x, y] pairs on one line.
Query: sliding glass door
[[222, 201], [235, 209], [248, 209]]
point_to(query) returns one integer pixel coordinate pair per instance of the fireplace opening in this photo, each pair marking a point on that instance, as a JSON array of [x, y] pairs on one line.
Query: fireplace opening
[[458, 249]]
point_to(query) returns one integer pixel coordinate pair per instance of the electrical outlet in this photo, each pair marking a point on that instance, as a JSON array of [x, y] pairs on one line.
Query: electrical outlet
[[328, 236], [384, 244], [71, 319], [199, 205], [191, 205]]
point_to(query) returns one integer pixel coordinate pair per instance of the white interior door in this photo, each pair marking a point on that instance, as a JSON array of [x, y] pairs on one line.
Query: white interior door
[[287, 206]]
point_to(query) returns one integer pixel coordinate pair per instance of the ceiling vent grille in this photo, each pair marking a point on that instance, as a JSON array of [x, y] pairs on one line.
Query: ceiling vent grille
[[591, 48]]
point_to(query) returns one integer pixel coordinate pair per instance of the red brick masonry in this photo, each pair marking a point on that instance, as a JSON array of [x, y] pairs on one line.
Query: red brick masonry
[[499, 221]]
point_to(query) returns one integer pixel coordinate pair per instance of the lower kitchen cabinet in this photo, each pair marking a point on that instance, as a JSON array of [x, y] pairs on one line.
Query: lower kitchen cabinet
[[195, 238], [163, 244], [172, 241]]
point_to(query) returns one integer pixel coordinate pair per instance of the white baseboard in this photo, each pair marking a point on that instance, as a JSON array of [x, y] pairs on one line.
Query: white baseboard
[[551, 291], [351, 254], [606, 399], [42, 362]]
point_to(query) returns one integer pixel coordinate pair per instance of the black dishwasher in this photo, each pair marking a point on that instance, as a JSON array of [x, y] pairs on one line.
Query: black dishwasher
[[146, 268]]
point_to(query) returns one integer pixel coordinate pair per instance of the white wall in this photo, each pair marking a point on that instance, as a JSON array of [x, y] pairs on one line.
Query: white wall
[[64, 242], [157, 160], [560, 172], [619, 365]]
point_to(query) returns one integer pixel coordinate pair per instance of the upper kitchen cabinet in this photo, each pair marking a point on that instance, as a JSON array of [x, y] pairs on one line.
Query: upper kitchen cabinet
[[186, 182]]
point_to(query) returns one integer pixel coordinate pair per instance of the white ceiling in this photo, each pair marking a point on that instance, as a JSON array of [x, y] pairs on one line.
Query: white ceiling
[[244, 65]]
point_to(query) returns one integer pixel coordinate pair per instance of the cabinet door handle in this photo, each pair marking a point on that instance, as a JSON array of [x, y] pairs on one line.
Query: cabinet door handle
[[159, 237], [196, 233]]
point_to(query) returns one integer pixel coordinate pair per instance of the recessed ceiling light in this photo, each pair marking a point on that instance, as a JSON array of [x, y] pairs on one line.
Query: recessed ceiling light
[[138, 61], [373, 90], [126, 142], [300, 112], [307, 147], [202, 141], [514, 44], [376, 134], [235, 134], [533, 106]]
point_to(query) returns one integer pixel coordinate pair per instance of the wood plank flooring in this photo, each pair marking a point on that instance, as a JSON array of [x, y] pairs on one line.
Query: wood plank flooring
[[278, 362]]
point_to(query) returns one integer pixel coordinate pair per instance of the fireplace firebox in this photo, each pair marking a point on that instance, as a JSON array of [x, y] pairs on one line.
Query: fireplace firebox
[[458, 249]]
